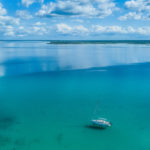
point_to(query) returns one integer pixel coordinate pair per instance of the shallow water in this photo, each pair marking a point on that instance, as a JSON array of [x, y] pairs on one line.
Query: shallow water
[[49, 93]]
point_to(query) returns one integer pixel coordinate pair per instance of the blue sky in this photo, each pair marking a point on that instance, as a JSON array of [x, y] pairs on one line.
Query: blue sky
[[75, 19]]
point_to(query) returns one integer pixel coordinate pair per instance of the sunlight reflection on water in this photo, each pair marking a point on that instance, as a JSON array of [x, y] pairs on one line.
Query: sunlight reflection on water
[[26, 57]]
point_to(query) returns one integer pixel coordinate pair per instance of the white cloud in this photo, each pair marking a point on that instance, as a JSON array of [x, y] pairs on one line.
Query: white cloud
[[144, 30], [7, 23], [27, 3], [7, 20], [22, 31], [108, 29], [138, 5], [23, 14], [74, 30], [63, 28], [78, 30], [131, 15], [81, 29], [2, 10], [9, 31], [131, 29], [97, 29], [40, 23], [140, 9], [78, 20], [83, 8], [39, 30]]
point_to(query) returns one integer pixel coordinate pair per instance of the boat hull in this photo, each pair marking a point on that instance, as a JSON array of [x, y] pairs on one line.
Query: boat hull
[[100, 124]]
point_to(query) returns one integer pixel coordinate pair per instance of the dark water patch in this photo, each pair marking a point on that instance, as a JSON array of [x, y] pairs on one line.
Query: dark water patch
[[117, 71], [6, 122], [25, 142], [59, 138], [20, 142], [4, 140], [66, 146], [36, 140]]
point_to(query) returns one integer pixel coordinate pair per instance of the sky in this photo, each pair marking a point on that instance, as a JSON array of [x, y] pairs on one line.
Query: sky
[[75, 19]]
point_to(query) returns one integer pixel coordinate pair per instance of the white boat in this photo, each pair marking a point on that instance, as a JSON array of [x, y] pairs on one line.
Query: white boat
[[101, 123]]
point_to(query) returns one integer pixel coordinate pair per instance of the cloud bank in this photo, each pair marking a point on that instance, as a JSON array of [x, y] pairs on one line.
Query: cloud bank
[[139, 9], [78, 8], [75, 18], [27, 3]]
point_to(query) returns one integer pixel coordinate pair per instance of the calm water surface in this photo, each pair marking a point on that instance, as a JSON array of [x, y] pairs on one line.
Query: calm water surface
[[49, 93]]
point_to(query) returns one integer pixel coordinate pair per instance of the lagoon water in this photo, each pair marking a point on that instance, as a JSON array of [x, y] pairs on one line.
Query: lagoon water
[[49, 94]]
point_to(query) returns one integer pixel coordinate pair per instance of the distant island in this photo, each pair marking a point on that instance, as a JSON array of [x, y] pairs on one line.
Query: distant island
[[99, 42]]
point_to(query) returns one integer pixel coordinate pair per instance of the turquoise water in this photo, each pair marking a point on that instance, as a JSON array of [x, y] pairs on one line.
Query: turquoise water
[[49, 93]]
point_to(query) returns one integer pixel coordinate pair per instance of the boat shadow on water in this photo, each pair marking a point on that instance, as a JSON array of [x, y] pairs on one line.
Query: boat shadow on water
[[94, 127]]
